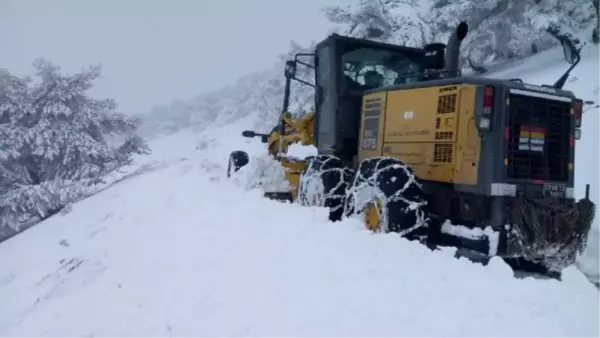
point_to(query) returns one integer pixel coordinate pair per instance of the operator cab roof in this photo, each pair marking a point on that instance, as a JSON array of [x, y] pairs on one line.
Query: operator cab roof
[[366, 43]]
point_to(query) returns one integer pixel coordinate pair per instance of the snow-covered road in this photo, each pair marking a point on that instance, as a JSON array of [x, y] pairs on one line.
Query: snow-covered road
[[181, 251]]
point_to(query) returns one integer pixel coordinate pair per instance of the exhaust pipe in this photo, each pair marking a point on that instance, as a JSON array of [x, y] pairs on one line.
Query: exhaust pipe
[[453, 46]]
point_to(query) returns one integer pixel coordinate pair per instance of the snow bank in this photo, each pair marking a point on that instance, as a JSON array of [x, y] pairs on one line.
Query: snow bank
[[180, 251], [300, 151]]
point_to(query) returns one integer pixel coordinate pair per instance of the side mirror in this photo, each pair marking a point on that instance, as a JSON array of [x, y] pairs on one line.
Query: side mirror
[[290, 69], [264, 138], [248, 133]]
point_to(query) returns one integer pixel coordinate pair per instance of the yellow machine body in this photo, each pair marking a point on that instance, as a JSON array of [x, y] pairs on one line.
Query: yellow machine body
[[431, 129], [295, 130]]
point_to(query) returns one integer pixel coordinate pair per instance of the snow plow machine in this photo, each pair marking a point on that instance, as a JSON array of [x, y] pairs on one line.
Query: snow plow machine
[[409, 144]]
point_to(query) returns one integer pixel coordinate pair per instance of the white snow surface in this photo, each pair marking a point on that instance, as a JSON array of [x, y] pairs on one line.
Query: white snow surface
[[300, 151], [179, 250]]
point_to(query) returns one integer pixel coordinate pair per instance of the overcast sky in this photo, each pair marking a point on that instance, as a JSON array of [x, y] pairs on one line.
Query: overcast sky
[[153, 51]]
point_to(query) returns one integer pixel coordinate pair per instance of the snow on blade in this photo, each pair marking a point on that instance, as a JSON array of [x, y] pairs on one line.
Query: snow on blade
[[473, 234], [300, 151]]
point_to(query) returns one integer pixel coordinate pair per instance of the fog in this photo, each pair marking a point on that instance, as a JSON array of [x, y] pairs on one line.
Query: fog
[[154, 51]]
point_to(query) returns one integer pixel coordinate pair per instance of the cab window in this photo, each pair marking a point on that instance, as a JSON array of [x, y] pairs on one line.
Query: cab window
[[370, 68]]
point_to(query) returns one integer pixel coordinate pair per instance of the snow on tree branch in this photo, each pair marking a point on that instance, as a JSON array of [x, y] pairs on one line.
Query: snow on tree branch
[[54, 140], [498, 29]]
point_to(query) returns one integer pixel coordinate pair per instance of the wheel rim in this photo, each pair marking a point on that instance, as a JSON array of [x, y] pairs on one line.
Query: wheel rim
[[373, 217]]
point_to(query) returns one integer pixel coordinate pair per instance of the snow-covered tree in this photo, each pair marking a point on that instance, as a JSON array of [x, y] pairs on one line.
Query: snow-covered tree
[[498, 29], [596, 31], [259, 94], [55, 140], [396, 21], [504, 29]]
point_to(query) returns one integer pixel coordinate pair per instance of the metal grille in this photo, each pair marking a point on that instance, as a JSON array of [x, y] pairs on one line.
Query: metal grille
[[442, 152], [443, 135], [372, 107], [447, 104], [538, 144]]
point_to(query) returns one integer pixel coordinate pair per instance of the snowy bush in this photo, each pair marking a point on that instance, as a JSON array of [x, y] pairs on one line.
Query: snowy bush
[[596, 31], [262, 172], [259, 94], [397, 21], [498, 29], [503, 29], [55, 141]]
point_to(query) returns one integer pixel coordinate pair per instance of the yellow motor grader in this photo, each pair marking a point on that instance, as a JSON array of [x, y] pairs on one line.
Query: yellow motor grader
[[413, 146]]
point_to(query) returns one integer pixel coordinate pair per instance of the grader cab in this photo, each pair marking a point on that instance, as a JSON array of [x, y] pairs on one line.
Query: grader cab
[[412, 145]]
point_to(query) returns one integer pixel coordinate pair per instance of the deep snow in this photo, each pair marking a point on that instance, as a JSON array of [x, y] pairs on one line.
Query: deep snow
[[180, 250]]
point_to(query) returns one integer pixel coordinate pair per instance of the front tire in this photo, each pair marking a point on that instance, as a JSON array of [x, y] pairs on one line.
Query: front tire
[[323, 183]]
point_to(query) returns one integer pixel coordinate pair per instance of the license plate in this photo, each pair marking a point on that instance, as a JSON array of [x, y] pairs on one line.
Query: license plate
[[554, 190]]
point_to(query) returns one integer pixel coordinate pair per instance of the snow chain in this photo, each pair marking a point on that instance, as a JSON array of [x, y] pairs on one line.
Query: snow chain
[[546, 229]]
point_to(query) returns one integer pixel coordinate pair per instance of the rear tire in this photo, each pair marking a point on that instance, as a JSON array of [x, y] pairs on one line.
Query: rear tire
[[392, 186], [237, 159], [323, 183]]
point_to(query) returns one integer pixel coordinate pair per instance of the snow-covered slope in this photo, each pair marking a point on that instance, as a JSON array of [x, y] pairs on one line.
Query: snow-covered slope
[[181, 251], [258, 95]]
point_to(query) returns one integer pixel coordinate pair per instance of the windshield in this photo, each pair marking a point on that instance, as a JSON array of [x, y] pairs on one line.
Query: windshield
[[370, 68]]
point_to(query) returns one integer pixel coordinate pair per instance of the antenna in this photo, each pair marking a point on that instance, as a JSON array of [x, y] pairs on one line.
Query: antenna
[[568, 44]]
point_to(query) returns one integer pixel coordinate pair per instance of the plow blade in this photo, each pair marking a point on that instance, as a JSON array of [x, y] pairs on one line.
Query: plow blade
[[548, 232]]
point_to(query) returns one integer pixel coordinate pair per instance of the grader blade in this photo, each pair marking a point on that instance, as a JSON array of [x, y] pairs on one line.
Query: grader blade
[[280, 196]]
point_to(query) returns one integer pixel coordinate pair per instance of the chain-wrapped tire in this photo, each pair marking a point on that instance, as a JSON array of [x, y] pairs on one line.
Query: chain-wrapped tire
[[323, 183], [237, 159], [387, 193]]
